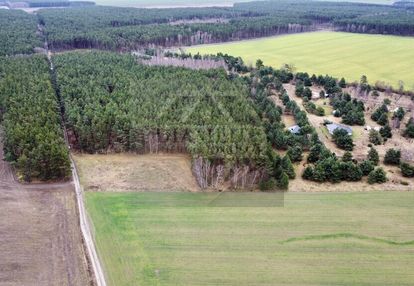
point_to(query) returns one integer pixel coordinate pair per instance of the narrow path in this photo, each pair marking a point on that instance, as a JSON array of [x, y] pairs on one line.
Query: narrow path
[[83, 220]]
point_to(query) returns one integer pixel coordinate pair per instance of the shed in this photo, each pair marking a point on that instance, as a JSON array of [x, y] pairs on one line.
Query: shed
[[295, 129], [333, 126]]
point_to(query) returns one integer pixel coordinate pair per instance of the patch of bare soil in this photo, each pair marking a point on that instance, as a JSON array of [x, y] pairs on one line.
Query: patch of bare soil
[[136, 173], [40, 239]]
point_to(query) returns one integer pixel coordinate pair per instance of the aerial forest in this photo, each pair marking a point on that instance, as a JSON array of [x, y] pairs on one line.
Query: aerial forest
[[29, 114]]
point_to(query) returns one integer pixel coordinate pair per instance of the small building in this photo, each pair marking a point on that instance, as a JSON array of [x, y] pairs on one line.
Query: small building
[[315, 95], [295, 129], [333, 126]]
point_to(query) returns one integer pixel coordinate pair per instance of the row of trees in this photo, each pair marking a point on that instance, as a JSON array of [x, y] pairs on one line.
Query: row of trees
[[33, 138]]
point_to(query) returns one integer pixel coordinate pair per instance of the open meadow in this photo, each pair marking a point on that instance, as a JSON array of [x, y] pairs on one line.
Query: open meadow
[[314, 239], [379, 57]]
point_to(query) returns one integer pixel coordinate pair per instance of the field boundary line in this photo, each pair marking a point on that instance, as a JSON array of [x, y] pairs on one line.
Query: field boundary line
[[88, 241], [85, 228]]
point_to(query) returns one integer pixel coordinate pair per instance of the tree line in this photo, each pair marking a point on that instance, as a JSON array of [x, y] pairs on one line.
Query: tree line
[[29, 112], [119, 28]]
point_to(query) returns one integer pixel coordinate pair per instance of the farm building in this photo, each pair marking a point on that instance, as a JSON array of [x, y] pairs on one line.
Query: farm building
[[333, 126], [295, 129]]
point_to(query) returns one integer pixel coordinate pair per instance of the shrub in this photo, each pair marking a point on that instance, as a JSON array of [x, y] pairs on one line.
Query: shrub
[[399, 113], [295, 153], [375, 137], [366, 167], [299, 89], [320, 111], [386, 131], [383, 119], [308, 173], [407, 170], [392, 157], [373, 156], [307, 93], [314, 154], [283, 182], [267, 185], [377, 176], [348, 171], [343, 140], [409, 131], [342, 83], [347, 157], [287, 167]]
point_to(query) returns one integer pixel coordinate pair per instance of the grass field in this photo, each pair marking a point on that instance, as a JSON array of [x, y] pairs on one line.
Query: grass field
[[169, 3], [315, 239], [385, 58]]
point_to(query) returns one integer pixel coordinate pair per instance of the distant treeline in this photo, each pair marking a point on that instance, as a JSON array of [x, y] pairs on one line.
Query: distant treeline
[[121, 28], [114, 28], [46, 3]]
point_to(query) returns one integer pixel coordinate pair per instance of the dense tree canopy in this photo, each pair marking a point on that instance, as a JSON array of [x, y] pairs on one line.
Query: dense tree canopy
[[114, 104], [33, 137], [18, 32]]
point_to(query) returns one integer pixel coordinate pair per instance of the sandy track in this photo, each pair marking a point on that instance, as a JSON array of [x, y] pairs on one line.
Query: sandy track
[[40, 238]]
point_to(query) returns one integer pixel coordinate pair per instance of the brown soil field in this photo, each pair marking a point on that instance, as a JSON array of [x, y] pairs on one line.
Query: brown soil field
[[136, 173], [40, 239]]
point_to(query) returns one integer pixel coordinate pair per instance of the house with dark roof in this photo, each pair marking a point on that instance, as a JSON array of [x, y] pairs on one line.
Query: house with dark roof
[[333, 126]]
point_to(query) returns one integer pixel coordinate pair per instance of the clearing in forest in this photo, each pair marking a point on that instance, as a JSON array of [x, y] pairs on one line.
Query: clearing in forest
[[139, 173], [380, 58], [315, 239]]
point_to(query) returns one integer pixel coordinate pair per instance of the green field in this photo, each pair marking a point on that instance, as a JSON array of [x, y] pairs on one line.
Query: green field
[[385, 58], [315, 239], [149, 3]]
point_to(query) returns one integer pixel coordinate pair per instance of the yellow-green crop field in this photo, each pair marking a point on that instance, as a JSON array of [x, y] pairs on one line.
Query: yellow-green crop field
[[245, 239], [379, 57]]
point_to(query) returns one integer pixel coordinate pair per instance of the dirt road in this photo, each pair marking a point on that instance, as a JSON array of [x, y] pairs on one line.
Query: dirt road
[[40, 238]]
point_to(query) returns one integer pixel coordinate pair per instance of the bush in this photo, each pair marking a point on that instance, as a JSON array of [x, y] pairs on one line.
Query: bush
[[399, 113], [308, 173], [407, 170], [320, 111], [287, 167], [375, 137], [267, 185], [409, 131], [366, 167], [283, 182], [295, 153], [348, 171], [343, 140], [373, 156], [299, 89], [383, 119], [386, 131], [347, 157], [307, 93], [377, 176], [392, 157]]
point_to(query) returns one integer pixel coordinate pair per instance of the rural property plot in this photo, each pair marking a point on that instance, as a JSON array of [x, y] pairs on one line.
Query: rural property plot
[[315, 239], [380, 58]]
